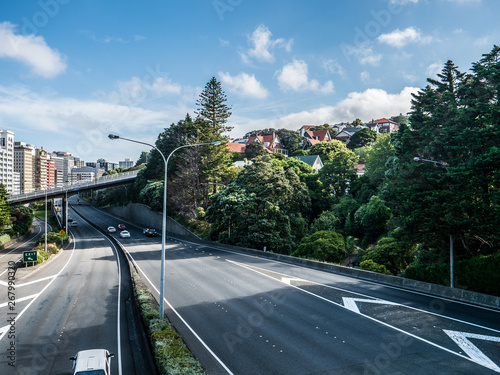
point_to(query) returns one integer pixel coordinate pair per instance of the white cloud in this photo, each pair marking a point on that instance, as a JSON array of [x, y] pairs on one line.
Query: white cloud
[[365, 77], [332, 66], [400, 38], [403, 2], [81, 126], [433, 69], [263, 45], [463, 1], [295, 76], [367, 105], [136, 90], [364, 54], [245, 85], [31, 50]]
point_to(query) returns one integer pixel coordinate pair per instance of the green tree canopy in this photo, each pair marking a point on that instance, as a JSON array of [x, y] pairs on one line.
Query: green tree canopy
[[326, 150], [377, 157], [260, 208], [338, 171], [212, 106], [455, 121], [324, 245], [255, 149], [363, 137]]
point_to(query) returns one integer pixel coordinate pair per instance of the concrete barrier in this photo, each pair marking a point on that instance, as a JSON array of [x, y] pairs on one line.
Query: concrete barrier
[[441, 291], [142, 215]]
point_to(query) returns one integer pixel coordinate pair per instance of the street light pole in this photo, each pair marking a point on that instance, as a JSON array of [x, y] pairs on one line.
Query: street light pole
[[452, 282], [164, 223]]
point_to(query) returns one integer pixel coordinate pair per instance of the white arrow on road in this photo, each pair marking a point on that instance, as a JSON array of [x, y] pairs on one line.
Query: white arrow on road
[[350, 303], [462, 340]]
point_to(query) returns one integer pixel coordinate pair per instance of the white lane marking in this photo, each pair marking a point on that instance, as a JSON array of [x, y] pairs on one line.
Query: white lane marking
[[462, 340], [394, 303], [348, 277], [46, 286], [288, 280], [364, 315], [181, 318], [22, 244], [118, 320], [350, 303], [4, 329], [30, 282], [118, 323], [20, 300]]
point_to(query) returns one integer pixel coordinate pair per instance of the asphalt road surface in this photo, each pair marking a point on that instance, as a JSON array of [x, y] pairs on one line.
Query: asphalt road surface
[[75, 301], [240, 314]]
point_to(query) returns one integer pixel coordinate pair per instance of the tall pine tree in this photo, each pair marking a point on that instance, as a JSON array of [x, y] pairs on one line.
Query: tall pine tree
[[212, 107]]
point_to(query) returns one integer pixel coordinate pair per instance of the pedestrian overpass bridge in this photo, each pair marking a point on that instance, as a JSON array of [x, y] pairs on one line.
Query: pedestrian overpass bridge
[[75, 188]]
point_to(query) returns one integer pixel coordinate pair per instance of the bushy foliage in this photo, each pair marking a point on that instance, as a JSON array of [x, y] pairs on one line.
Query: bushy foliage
[[326, 221], [370, 265], [392, 254], [22, 219], [324, 245]]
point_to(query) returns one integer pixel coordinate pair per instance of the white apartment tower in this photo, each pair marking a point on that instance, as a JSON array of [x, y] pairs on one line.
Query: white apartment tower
[[24, 162], [7, 160], [40, 169]]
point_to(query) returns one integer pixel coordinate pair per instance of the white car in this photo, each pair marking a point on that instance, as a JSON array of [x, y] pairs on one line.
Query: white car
[[94, 361], [74, 224], [111, 229], [124, 233]]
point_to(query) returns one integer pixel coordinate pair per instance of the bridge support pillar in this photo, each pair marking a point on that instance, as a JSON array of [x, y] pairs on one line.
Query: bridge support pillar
[[64, 215]]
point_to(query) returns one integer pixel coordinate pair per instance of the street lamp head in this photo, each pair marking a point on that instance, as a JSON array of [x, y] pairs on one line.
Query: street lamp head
[[113, 136], [416, 158], [215, 143]]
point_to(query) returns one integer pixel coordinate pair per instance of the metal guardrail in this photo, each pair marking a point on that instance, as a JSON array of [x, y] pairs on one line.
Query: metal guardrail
[[75, 186]]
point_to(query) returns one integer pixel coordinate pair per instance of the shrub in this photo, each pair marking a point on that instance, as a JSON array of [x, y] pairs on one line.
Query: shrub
[[4, 238], [370, 265], [172, 356], [479, 274], [323, 245]]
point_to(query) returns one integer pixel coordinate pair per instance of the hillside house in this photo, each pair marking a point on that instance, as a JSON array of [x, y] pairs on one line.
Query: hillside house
[[313, 160], [270, 142], [383, 125]]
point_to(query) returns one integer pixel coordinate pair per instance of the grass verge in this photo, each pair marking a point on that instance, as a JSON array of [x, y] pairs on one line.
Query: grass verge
[[171, 354]]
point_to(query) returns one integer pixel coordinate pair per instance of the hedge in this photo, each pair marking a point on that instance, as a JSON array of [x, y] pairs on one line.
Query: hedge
[[480, 274]]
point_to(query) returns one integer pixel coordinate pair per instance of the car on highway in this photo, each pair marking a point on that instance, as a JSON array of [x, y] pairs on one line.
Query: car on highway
[[150, 232], [121, 226], [74, 224], [124, 233], [111, 229], [92, 362]]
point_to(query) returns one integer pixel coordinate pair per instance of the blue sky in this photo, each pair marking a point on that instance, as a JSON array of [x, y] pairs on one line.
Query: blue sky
[[75, 70]]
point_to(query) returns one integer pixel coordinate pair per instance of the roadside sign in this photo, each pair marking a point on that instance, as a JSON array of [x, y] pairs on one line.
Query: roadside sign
[[30, 256], [62, 233]]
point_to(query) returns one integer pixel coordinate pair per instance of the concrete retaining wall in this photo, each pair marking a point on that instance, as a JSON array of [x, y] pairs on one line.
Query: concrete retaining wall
[[414, 285], [143, 216]]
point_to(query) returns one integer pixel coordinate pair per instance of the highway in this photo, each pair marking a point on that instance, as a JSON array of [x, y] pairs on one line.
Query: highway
[[75, 301], [245, 315]]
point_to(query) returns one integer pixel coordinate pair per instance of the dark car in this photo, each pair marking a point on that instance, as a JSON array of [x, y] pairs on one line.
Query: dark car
[[121, 227], [150, 232]]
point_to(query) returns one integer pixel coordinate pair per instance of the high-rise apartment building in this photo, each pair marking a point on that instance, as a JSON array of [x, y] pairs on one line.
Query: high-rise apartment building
[[24, 161], [127, 163], [40, 169], [51, 174], [68, 164], [7, 160], [58, 169]]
